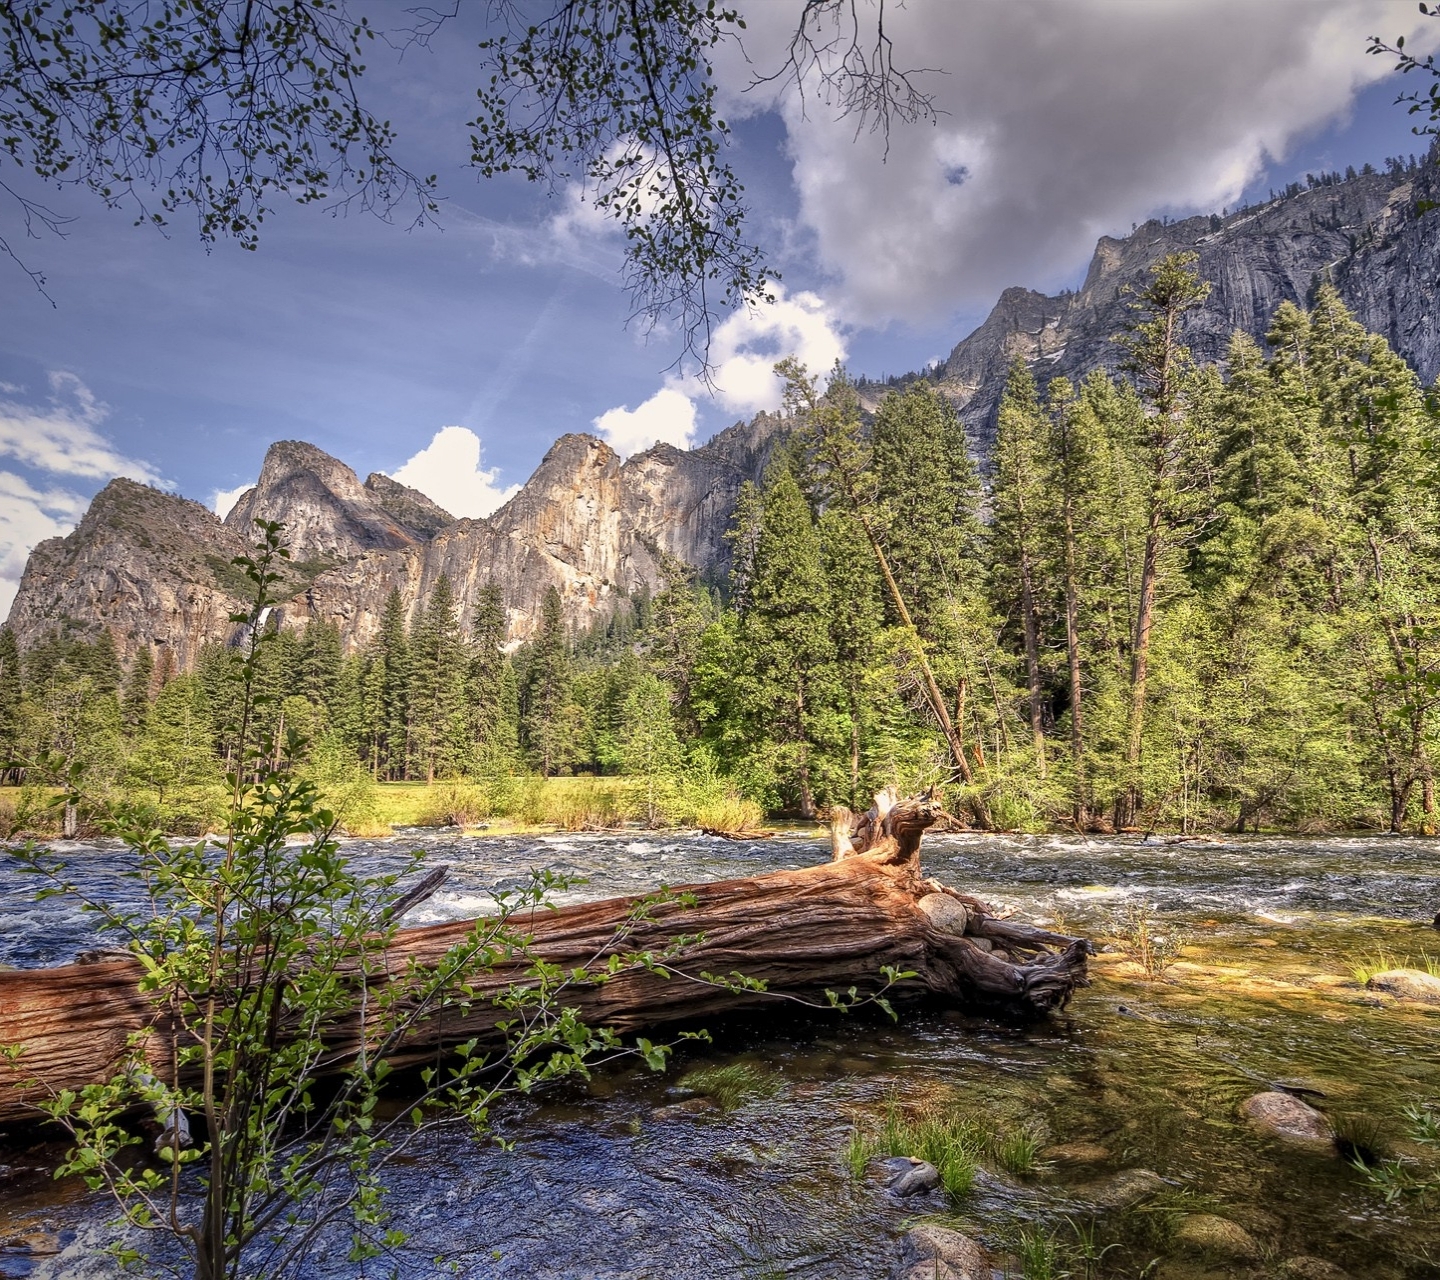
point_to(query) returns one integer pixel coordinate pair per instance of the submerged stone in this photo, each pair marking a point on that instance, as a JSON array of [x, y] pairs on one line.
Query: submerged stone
[[1124, 1190], [937, 1253], [1284, 1116], [1219, 1237], [1409, 984], [1076, 1153], [1308, 1268], [690, 1107]]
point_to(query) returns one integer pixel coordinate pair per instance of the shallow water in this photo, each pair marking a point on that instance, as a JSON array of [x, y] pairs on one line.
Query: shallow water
[[1151, 1072]]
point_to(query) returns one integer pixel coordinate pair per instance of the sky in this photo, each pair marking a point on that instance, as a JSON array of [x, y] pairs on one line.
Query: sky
[[452, 355]]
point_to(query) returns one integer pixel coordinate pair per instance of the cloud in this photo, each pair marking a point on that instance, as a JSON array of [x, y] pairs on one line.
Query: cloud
[[222, 500], [1061, 123], [448, 471], [63, 438], [29, 515], [668, 415], [744, 350]]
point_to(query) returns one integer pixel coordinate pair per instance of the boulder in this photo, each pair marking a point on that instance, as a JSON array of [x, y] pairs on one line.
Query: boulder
[[31, 1243], [936, 1253], [1308, 1268], [1123, 1190], [1217, 1237], [1287, 1118], [946, 913], [1409, 984]]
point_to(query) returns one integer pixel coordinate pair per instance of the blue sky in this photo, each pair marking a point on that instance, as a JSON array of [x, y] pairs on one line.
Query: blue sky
[[1063, 122]]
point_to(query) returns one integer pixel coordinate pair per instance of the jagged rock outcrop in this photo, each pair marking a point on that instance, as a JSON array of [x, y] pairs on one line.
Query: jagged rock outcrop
[[156, 569], [1376, 237], [327, 513], [152, 568]]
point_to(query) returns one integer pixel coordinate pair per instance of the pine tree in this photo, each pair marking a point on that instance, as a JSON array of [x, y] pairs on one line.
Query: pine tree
[[649, 746], [438, 666], [545, 718], [135, 698], [1161, 364], [12, 692], [1018, 532], [393, 654]]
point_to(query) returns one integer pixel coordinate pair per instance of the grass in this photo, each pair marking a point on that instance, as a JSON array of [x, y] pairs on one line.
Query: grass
[[952, 1140], [1381, 961], [732, 1085], [1144, 942], [1040, 1255]]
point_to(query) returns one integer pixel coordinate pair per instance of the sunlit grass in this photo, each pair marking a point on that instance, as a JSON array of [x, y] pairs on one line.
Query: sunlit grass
[[732, 1085], [1381, 961]]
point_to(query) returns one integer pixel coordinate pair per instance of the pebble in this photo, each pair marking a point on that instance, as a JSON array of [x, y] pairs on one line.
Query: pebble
[[690, 1107], [936, 1253], [34, 1243], [1285, 1117], [1308, 1268], [1076, 1153], [1125, 1189], [1219, 1237], [1410, 984]]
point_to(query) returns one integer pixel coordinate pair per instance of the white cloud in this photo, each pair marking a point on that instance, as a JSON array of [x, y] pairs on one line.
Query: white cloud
[[448, 471], [1061, 122], [222, 500], [668, 415], [63, 437], [746, 346], [27, 516], [744, 350]]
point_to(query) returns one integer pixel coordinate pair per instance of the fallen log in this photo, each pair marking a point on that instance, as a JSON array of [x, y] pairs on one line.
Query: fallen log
[[801, 933]]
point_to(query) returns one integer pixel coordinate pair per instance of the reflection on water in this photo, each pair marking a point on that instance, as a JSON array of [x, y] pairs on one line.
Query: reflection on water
[[1143, 1074]]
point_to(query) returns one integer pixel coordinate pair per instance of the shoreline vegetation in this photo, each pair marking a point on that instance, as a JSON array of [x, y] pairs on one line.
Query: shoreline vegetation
[[517, 806]]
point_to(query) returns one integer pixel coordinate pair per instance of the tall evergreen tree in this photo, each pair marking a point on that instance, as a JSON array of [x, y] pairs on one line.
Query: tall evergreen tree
[[546, 724]]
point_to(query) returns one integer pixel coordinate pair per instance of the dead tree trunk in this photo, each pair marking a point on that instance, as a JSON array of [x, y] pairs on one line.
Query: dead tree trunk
[[802, 932]]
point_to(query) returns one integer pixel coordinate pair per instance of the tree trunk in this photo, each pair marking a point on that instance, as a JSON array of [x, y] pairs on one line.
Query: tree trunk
[[1140, 672], [1032, 661], [803, 932], [1072, 656]]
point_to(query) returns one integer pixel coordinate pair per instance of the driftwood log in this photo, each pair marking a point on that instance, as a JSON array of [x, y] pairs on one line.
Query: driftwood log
[[803, 932]]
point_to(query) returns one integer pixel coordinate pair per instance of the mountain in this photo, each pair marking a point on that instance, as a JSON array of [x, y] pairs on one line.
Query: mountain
[[1376, 236], [156, 569]]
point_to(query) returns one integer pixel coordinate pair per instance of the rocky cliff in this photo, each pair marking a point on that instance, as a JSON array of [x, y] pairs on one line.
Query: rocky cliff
[[1376, 237], [157, 569]]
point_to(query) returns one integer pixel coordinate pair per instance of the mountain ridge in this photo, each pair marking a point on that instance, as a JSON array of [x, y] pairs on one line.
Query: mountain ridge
[[155, 569]]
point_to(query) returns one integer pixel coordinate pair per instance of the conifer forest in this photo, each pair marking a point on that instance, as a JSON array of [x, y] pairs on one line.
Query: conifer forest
[[1171, 596]]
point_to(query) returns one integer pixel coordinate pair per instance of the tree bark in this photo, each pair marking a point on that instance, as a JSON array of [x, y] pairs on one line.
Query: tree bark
[[803, 932]]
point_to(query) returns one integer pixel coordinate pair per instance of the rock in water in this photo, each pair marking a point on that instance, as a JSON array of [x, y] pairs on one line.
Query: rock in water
[[909, 1176], [1287, 1118], [1127, 1188], [1217, 1237], [1410, 984], [946, 914], [1308, 1268], [937, 1253]]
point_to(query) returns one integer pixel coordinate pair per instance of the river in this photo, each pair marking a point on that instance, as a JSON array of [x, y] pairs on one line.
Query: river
[[1138, 1073]]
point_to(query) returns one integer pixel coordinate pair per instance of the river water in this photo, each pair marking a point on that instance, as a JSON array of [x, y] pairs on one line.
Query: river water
[[1139, 1073]]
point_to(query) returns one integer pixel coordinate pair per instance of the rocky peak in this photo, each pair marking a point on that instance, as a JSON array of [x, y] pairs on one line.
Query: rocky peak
[[1374, 236], [409, 507], [327, 513]]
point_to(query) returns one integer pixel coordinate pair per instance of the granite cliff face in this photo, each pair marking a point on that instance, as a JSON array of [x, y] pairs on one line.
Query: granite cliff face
[[156, 569], [327, 513], [1376, 237], [153, 568]]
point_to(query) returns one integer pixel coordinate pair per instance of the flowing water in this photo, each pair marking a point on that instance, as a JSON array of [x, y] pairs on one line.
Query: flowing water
[[1138, 1073]]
